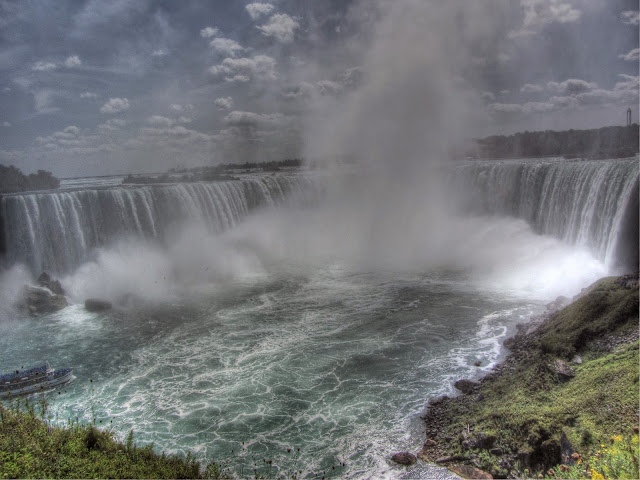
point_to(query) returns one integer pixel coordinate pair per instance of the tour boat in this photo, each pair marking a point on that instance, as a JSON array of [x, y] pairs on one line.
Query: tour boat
[[33, 380]]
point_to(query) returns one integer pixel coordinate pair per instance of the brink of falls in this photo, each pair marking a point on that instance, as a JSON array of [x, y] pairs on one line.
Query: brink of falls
[[592, 204]]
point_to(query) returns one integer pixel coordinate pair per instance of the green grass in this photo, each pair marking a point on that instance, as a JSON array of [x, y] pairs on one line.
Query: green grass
[[31, 448], [605, 308], [535, 416]]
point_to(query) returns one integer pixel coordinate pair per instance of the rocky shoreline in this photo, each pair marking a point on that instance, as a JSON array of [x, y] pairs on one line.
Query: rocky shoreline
[[524, 418]]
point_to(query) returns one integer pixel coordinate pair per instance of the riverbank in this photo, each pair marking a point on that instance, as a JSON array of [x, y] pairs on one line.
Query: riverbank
[[563, 404], [32, 447]]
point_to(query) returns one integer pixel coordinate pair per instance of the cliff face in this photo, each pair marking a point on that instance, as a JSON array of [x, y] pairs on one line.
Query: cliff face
[[568, 387]]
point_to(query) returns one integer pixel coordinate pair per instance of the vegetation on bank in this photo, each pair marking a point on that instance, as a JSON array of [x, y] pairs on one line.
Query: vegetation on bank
[[605, 142], [12, 180], [30, 447], [528, 420]]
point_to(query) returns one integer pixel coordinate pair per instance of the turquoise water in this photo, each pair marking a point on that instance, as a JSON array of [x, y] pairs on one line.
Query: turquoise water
[[336, 363]]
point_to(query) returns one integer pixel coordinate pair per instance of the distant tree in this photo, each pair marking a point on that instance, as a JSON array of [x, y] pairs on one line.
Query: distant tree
[[13, 180], [606, 142]]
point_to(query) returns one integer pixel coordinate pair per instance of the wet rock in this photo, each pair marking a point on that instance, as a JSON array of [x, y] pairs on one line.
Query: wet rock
[[404, 458], [466, 386], [445, 459], [577, 359], [563, 369], [429, 443], [39, 300], [437, 400], [477, 363], [45, 280], [467, 471], [557, 304], [496, 451], [97, 305]]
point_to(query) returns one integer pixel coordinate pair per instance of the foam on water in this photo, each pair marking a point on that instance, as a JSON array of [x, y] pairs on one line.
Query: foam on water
[[334, 361]]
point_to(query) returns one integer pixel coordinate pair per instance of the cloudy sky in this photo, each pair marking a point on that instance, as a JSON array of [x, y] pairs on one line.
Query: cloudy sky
[[101, 87]]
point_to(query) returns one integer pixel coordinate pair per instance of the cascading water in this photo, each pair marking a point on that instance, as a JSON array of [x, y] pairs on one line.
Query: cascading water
[[592, 204], [57, 231]]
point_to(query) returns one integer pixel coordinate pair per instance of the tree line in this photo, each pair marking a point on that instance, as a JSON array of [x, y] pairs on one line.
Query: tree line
[[12, 180], [606, 142]]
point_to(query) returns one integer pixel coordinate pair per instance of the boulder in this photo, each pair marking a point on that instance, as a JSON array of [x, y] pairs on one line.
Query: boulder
[[437, 400], [467, 471], [404, 458], [466, 386], [97, 305], [563, 369], [557, 304], [45, 280], [39, 300]]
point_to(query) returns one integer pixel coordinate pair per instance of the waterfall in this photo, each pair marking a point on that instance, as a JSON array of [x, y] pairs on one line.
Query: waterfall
[[591, 204], [57, 231]]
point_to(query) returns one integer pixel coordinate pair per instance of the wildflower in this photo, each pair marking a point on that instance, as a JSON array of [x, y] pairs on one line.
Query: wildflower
[[595, 475]]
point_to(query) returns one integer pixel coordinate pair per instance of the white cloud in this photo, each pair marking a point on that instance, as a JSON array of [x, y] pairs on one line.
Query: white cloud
[[112, 124], [43, 66], [6, 124], [226, 45], [631, 17], [43, 99], [280, 26], [505, 107], [224, 103], [209, 32], [177, 108], [488, 96], [115, 105], [575, 93], [72, 61], [260, 67], [160, 121], [572, 86], [530, 88], [529, 107], [66, 136], [539, 13], [251, 119], [632, 56], [159, 53], [88, 95], [175, 138], [257, 10]]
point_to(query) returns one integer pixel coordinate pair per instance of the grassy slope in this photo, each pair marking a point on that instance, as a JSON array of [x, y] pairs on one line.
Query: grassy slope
[[531, 414], [29, 448]]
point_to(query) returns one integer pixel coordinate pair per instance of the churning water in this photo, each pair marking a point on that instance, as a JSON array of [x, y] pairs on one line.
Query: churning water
[[268, 337]]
